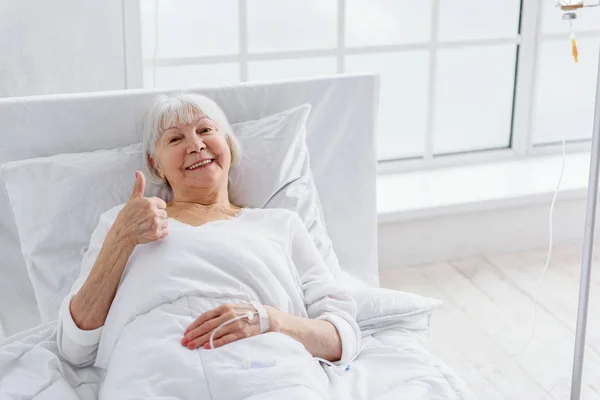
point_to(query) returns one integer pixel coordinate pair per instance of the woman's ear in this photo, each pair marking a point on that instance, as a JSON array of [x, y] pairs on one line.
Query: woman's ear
[[152, 162], [156, 167]]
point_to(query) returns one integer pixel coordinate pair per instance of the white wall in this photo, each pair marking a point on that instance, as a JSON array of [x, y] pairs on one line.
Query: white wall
[[469, 234], [61, 46]]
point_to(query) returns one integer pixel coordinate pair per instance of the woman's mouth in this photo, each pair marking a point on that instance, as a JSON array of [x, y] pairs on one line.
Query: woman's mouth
[[201, 164]]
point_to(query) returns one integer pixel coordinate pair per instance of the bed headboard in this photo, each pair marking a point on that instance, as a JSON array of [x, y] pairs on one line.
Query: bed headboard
[[341, 142]]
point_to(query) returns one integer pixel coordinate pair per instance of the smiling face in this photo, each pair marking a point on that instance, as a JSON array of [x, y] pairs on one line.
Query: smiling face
[[192, 156]]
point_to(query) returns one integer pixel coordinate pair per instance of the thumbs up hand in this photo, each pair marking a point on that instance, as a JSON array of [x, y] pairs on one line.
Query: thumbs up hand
[[139, 187], [143, 219]]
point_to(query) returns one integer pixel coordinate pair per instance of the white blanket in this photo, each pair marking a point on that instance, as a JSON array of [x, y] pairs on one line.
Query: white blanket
[[394, 364], [31, 368], [267, 256]]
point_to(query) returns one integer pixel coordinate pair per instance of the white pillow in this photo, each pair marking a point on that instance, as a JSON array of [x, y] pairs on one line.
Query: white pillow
[[56, 201], [275, 173], [379, 308]]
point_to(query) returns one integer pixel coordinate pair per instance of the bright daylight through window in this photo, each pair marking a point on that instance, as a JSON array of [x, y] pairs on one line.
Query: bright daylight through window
[[450, 70]]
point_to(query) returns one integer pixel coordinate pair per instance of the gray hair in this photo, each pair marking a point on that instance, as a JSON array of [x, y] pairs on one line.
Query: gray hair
[[168, 110]]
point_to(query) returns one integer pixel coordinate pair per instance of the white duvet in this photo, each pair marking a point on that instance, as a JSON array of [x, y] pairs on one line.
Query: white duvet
[[262, 255], [394, 364]]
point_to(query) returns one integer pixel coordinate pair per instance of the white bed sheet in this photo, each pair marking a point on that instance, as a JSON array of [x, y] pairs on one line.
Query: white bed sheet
[[394, 364]]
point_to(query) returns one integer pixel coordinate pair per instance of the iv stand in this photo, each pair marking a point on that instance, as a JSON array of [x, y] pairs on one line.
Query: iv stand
[[588, 245]]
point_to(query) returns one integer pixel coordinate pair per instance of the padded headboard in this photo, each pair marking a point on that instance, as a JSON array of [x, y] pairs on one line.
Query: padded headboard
[[341, 141]]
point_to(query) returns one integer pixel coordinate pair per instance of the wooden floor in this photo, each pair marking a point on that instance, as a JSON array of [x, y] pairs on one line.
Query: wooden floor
[[487, 318]]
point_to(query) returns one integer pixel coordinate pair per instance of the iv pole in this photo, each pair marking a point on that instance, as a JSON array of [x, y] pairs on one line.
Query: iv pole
[[570, 13], [588, 245]]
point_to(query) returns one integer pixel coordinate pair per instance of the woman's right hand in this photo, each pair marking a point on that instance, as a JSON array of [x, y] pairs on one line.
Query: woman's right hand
[[143, 219]]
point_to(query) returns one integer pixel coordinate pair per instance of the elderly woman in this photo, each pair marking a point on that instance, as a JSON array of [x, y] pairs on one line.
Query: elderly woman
[[198, 297]]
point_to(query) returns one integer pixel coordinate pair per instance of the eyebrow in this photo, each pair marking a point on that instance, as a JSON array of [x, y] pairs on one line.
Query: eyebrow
[[195, 123]]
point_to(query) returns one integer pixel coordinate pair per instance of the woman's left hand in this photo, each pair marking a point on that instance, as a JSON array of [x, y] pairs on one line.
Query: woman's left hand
[[198, 333]]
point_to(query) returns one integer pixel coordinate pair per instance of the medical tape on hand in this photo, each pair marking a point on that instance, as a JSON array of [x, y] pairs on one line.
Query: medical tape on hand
[[263, 316]]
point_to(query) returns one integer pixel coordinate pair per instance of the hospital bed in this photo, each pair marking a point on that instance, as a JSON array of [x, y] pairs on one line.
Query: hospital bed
[[341, 142]]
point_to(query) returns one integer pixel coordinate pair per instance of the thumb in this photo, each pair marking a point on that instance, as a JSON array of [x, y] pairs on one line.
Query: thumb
[[139, 187]]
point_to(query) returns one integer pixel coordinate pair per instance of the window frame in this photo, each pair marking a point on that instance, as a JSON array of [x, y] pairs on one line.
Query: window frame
[[527, 41]]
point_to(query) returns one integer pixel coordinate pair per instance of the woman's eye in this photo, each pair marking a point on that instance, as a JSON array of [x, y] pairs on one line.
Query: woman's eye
[[173, 140], [204, 130]]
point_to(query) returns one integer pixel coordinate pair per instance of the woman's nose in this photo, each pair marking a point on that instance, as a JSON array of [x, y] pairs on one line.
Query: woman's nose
[[195, 144]]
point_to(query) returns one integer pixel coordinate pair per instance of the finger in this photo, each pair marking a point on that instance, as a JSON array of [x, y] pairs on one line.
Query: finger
[[198, 340], [232, 337], [139, 187], [214, 313], [162, 214], [163, 233], [159, 203], [206, 328]]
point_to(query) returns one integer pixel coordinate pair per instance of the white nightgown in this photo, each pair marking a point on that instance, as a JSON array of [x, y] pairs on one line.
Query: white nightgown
[[266, 255]]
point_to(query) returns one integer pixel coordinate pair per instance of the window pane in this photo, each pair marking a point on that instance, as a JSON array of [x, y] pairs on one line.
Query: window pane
[[148, 77], [384, 22], [189, 76], [188, 28], [282, 25], [473, 100], [478, 19], [281, 69], [402, 102], [565, 91], [147, 16], [587, 19]]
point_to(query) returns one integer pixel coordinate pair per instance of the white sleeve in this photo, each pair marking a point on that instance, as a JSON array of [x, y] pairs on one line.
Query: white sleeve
[[75, 345], [323, 296]]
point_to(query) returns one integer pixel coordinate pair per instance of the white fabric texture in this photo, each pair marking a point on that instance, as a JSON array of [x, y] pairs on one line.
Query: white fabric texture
[[274, 172], [380, 309], [342, 121], [394, 364], [56, 202], [268, 256]]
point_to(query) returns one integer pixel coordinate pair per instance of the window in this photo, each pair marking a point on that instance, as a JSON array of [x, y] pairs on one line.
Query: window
[[460, 79]]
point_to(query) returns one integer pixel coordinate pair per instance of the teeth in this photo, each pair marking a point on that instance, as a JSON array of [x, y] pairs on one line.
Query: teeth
[[194, 166]]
